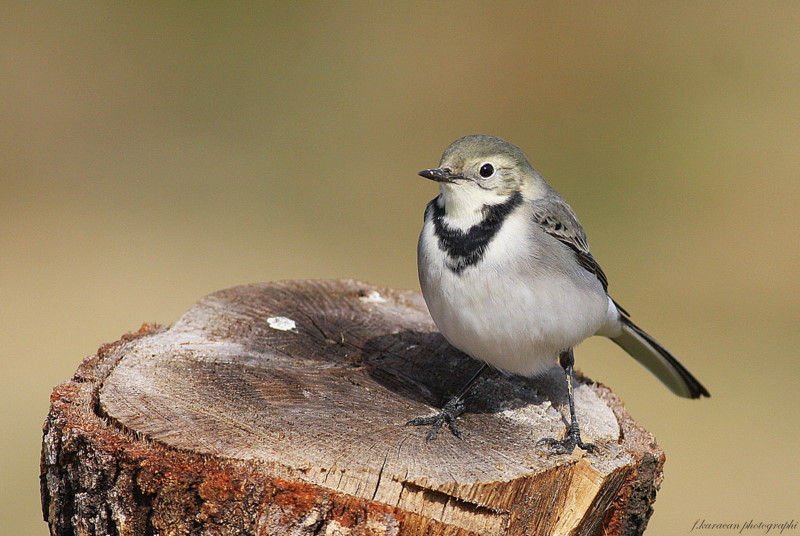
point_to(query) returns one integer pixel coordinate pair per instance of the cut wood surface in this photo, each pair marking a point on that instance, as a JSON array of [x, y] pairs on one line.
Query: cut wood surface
[[280, 408]]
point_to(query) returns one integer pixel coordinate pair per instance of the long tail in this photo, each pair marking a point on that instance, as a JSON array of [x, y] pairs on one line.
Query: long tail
[[658, 360]]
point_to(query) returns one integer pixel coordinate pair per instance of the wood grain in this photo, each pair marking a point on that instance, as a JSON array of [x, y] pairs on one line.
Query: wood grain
[[305, 386]]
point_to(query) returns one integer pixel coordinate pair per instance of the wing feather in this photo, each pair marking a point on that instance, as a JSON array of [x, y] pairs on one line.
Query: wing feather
[[557, 219]]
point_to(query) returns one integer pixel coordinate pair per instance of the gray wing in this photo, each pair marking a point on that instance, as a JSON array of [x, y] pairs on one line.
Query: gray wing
[[557, 219]]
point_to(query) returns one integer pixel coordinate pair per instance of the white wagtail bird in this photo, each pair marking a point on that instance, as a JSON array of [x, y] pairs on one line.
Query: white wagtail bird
[[506, 273]]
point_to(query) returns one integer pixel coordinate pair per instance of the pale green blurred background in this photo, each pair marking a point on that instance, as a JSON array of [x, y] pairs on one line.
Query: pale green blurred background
[[151, 154]]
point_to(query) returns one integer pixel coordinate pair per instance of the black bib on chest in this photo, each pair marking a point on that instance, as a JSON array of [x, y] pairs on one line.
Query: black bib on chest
[[466, 248]]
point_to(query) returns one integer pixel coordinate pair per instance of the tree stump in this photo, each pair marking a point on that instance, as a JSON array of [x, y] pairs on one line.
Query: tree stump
[[280, 408]]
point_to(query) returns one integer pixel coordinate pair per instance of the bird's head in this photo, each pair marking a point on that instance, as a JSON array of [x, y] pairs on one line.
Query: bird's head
[[480, 170]]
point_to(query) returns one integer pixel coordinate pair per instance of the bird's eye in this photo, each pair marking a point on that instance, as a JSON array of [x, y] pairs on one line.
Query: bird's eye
[[487, 170]]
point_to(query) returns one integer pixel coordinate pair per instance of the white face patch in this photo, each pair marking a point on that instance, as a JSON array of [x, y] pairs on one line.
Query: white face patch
[[463, 204]]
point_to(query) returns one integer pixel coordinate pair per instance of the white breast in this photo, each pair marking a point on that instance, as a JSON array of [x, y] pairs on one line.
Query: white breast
[[520, 306]]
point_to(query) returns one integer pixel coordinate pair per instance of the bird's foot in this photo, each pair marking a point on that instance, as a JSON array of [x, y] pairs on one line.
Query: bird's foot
[[568, 444], [448, 416]]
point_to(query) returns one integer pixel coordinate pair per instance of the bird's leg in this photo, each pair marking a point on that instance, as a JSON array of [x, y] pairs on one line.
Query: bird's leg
[[572, 438], [450, 411]]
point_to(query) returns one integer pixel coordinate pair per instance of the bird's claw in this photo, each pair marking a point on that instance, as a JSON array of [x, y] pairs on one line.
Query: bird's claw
[[568, 444], [448, 416]]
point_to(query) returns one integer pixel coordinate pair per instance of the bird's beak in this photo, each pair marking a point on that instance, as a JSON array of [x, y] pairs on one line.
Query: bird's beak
[[440, 175]]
